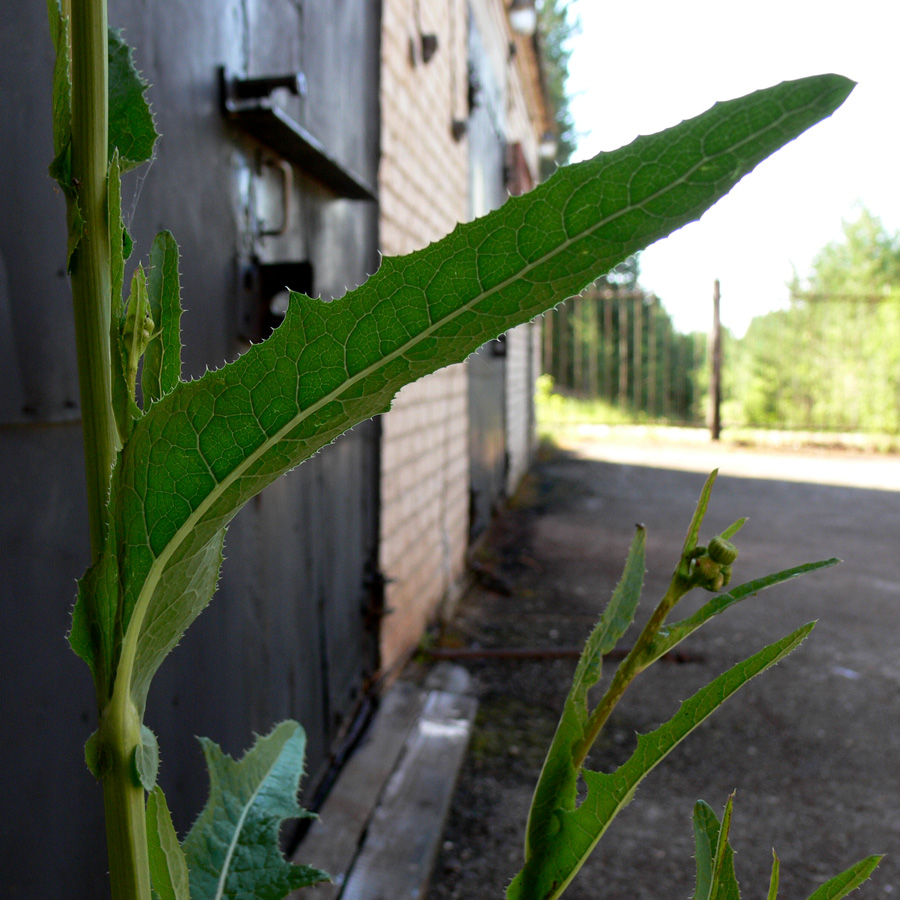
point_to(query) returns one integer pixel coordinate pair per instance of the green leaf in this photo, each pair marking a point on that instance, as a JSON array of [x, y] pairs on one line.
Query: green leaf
[[62, 93], [162, 358], [706, 837], [206, 447], [94, 634], [556, 861], [773, 880], [693, 532], [61, 166], [849, 880], [717, 881], [131, 127], [145, 763], [168, 866], [136, 331], [232, 850], [191, 581], [672, 635], [715, 863], [124, 407], [557, 786]]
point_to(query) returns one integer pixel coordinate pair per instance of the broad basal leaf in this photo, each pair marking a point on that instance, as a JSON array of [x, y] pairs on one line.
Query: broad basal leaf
[[557, 786], [555, 862], [208, 446], [232, 851]]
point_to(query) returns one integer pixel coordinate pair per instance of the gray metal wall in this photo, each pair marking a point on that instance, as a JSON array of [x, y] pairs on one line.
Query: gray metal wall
[[286, 634]]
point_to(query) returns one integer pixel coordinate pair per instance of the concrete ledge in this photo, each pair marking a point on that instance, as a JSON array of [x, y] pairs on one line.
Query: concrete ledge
[[380, 829]]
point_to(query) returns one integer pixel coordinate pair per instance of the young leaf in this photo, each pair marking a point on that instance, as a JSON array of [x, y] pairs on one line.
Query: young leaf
[[61, 166], [146, 759], [723, 884], [137, 329], [557, 786], [168, 867], [849, 880], [162, 358], [693, 532], [331, 365], [773, 880], [715, 863], [556, 861], [232, 850], [706, 837], [62, 94], [124, 406], [675, 633], [131, 128]]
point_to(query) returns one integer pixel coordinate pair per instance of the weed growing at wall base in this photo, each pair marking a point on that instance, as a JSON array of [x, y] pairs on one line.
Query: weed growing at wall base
[[168, 467]]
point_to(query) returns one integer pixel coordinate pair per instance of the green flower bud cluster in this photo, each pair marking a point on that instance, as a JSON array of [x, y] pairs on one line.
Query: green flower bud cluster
[[711, 565]]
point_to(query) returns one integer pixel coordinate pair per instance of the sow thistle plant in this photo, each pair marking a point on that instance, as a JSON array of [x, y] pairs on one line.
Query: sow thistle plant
[[169, 463]]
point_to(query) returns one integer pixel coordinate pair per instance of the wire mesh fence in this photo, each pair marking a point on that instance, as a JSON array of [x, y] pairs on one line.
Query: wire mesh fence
[[827, 363], [620, 346]]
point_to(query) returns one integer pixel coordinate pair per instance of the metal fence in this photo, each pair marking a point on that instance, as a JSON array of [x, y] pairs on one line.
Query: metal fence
[[828, 363], [620, 346]]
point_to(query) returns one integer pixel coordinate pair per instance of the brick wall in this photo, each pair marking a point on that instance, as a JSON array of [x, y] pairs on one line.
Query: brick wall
[[424, 189]]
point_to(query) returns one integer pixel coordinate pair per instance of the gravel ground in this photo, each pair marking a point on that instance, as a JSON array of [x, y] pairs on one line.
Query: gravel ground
[[812, 747]]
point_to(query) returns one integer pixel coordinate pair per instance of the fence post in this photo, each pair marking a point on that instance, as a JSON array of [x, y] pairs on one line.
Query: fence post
[[715, 373], [651, 353], [623, 354], [637, 364]]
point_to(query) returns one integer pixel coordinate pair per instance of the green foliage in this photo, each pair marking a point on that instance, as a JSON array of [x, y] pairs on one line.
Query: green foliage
[[132, 132], [831, 361], [168, 867], [556, 27], [562, 831], [715, 858], [716, 879], [232, 851]]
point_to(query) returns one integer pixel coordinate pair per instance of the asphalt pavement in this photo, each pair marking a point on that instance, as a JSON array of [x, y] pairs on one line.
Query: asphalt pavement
[[812, 748]]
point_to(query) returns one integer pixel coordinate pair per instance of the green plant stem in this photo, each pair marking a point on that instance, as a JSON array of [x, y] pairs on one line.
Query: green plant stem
[[90, 268], [123, 797], [123, 803], [638, 659]]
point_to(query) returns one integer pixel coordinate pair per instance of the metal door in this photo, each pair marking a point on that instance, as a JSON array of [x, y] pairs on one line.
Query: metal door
[[288, 634], [487, 367]]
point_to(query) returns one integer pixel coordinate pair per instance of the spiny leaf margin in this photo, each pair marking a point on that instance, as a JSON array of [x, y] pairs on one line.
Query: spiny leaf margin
[[549, 871], [558, 782], [208, 446], [232, 850]]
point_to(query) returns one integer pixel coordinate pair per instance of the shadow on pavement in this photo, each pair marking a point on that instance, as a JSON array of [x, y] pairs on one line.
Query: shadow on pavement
[[812, 747]]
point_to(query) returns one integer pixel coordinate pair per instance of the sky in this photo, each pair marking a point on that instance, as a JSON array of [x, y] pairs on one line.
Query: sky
[[645, 65]]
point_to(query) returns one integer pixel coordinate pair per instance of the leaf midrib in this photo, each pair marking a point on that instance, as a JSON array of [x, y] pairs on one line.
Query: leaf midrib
[[232, 846], [129, 646]]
